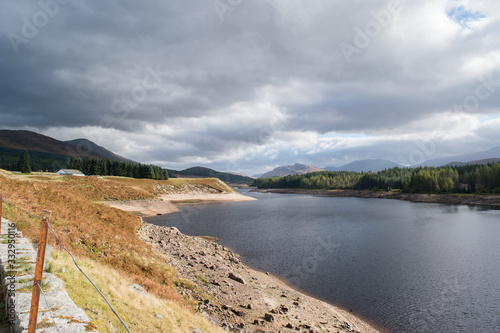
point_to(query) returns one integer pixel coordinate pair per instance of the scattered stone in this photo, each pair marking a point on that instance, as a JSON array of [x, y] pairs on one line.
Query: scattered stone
[[238, 313], [236, 277], [269, 317]]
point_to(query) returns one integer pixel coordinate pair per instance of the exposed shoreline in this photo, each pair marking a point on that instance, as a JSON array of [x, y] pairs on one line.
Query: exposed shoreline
[[241, 299], [167, 203], [489, 200]]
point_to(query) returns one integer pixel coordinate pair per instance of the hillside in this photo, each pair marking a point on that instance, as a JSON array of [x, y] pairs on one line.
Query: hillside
[[479, 162], [105, 242], [46, 153], [87, 145], [482, 155], [296, 169], [201, 172], [37, 142], [372, 165]]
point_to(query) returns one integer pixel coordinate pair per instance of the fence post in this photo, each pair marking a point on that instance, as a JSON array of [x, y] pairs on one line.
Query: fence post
[[1, 212], [37, 283]]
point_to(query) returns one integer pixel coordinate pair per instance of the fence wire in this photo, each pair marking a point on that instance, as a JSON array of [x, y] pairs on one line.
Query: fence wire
[[76, 264], [43, 294]]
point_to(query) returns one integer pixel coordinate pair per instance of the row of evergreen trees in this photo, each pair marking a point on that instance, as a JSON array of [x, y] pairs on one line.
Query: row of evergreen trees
[[100, 167], [465, 179]]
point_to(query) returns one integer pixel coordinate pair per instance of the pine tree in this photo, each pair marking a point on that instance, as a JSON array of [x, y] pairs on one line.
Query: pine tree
[[24, 164]]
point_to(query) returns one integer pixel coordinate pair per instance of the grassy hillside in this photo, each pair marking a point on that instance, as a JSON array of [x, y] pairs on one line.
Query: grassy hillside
[[207, 172], [40, 161], [37, 142], [46, 153], [105, 239]]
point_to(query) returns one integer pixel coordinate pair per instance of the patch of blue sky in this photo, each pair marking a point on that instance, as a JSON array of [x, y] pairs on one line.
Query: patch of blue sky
[[489, 117], [464, 17]]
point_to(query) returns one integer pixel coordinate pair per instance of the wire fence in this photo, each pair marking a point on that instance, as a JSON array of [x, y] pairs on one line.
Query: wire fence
[[37, 284]]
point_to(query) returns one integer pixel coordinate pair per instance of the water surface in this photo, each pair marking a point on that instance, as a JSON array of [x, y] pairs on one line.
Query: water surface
[[410, 267]]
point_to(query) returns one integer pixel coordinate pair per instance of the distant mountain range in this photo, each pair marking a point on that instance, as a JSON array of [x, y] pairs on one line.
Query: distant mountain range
[[47, 153], [32, 141], [286, 170], [479, 162], [375, 165], [482, 155], [372, 165], [202, 172]]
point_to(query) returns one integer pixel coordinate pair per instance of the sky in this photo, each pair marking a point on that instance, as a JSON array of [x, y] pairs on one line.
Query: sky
[[248, 85]]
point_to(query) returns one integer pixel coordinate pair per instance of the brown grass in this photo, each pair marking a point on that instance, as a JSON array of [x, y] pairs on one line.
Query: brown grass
[[89, 229]]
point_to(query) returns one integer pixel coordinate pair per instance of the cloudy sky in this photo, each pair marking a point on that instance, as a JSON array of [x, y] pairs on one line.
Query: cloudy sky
[[247, 85]]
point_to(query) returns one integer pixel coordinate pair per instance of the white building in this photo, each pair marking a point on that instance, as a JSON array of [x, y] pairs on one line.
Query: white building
[[70, 172]]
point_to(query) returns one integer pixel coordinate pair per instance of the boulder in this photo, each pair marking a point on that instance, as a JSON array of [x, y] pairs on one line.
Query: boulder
[[236, 277]]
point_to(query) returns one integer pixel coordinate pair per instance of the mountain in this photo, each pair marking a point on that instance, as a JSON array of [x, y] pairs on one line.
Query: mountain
[[87, 145], [286, 170], [482, 155], [372, 165], [47, 153], [22, 140], [479, 162], [201, 172]]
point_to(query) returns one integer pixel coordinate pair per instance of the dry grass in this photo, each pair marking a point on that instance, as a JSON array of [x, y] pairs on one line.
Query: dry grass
[[141, 313], [100, 234]]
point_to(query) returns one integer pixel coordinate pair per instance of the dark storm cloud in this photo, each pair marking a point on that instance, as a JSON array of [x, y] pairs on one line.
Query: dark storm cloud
[[181, 81]]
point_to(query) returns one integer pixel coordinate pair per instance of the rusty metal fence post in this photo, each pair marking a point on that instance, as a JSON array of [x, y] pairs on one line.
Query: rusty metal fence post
[[1, 212], [37, 283]]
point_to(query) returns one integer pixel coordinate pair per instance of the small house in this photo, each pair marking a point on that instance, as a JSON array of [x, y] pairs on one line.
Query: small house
[[70, 172]]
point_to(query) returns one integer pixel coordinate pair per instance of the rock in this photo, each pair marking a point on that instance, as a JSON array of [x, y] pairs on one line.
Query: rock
[[159, 316], [296, 303], [238, 313], [236, 277], [289, 325], [138, 289], [269, 317]]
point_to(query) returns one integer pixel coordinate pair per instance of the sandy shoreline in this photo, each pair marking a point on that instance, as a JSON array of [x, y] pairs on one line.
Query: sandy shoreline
[[166, 204], [234, 296]]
